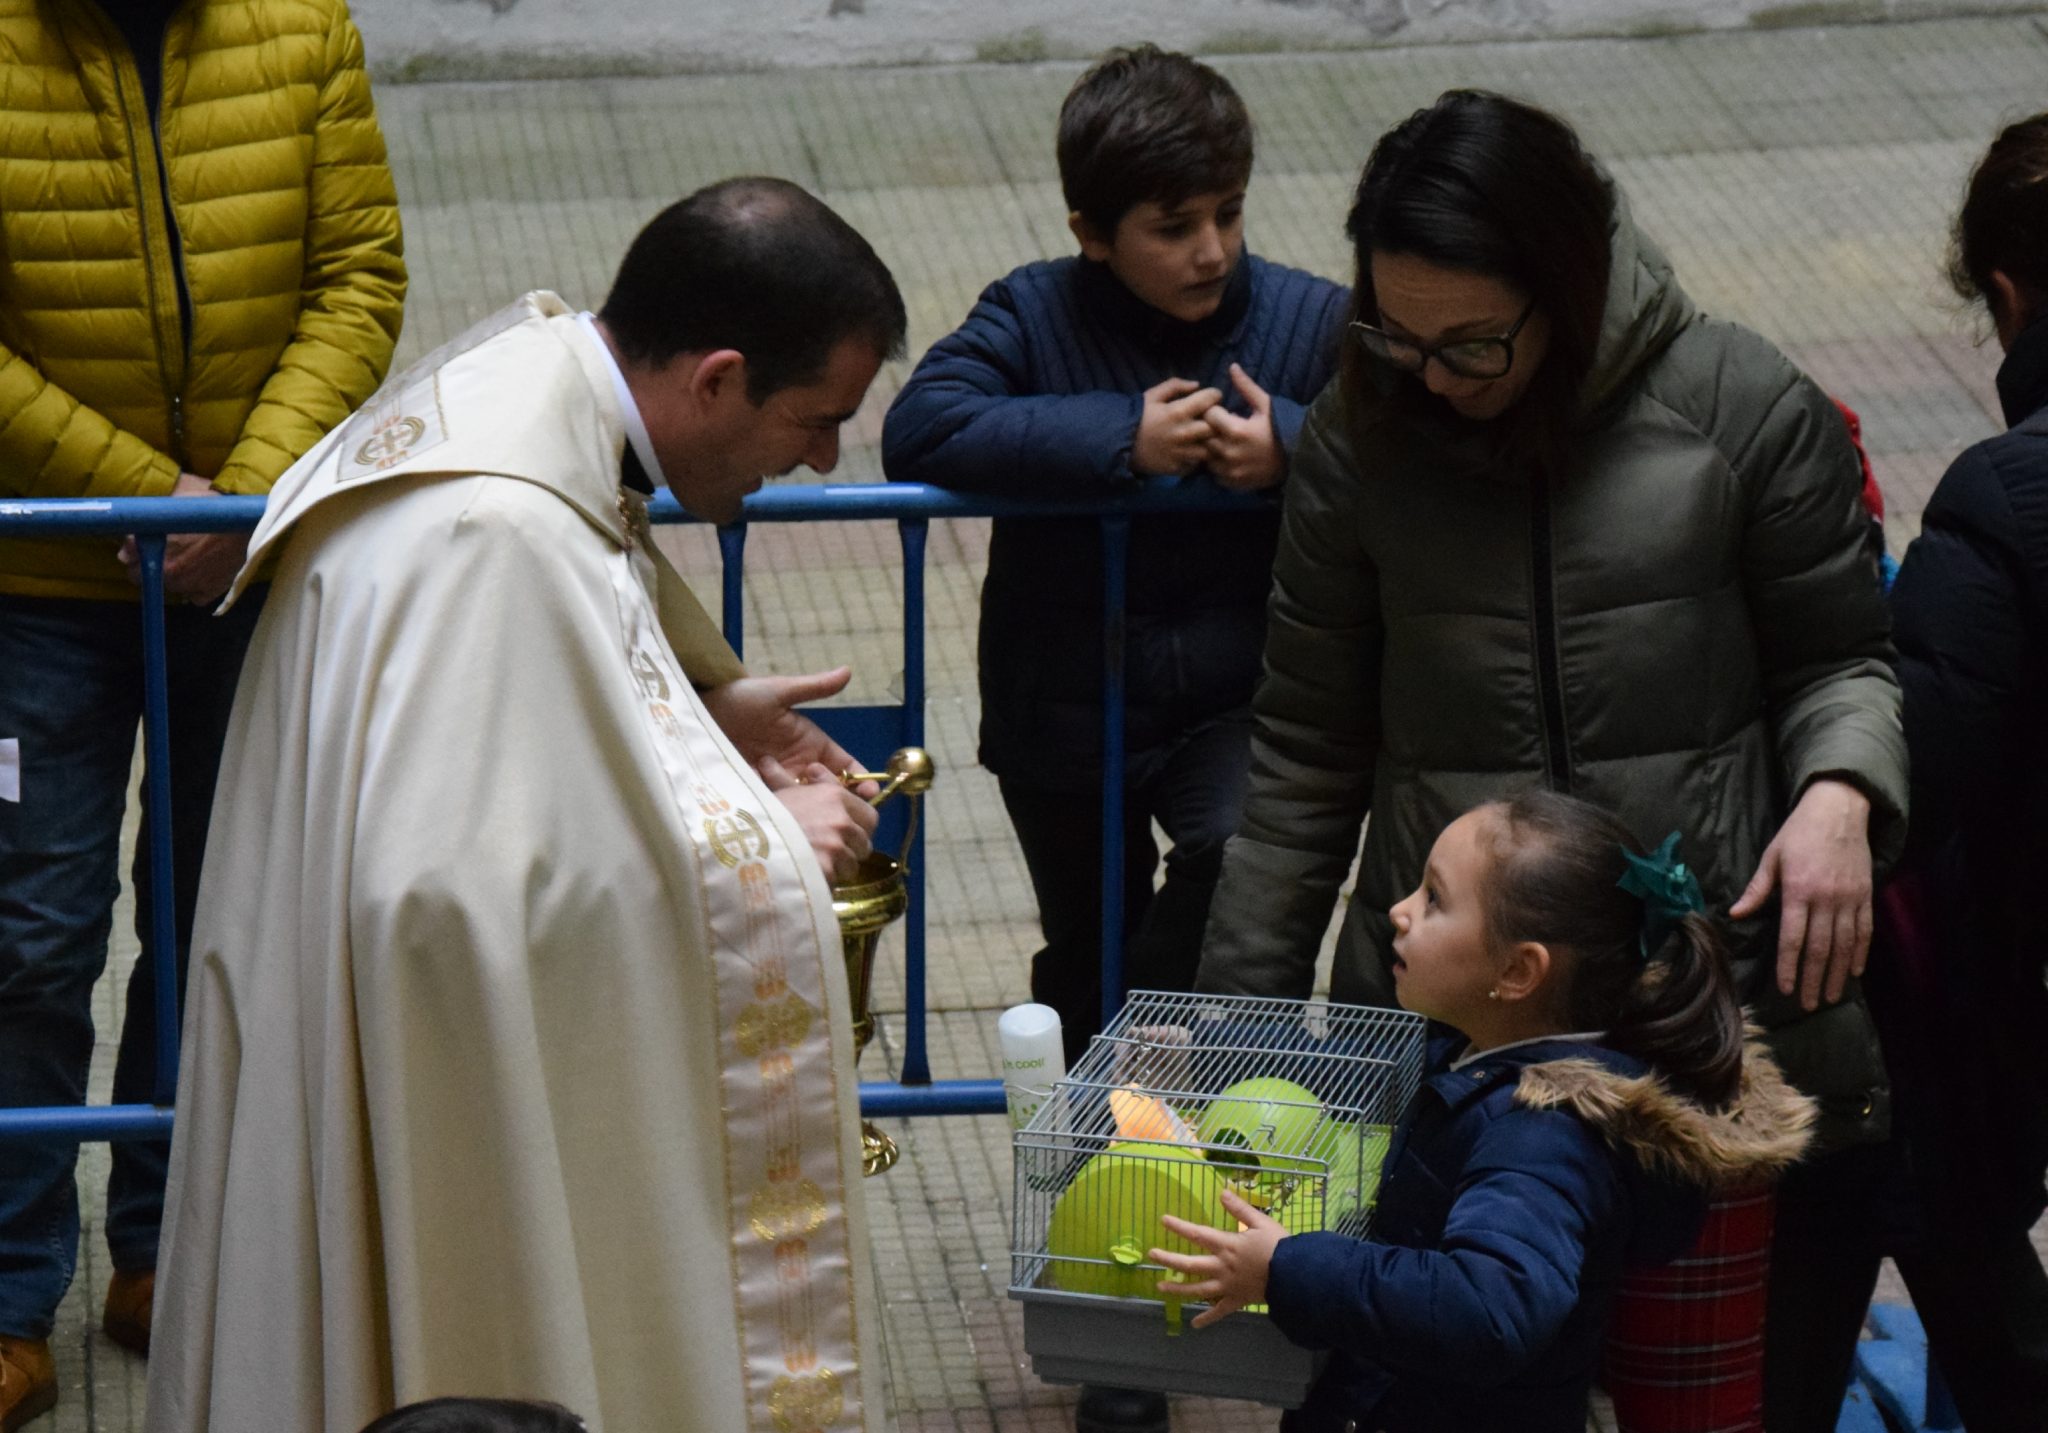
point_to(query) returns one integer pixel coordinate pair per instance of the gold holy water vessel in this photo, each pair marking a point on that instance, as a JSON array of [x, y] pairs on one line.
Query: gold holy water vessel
[[866, 906]]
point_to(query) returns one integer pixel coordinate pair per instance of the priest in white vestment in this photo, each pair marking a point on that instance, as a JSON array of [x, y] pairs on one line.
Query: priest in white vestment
[[518, 1057]]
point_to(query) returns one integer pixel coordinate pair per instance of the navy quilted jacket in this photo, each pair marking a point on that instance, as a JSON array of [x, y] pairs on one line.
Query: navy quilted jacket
[[1481, 1302], [1039, 393], [1962, 1024]]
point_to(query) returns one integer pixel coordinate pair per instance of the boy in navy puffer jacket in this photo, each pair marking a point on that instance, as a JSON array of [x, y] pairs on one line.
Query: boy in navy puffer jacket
[[1164, 350]]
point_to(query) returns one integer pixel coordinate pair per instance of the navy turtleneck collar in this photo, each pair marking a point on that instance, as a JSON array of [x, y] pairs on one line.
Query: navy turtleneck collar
[[1125, 310], [2023, 377]]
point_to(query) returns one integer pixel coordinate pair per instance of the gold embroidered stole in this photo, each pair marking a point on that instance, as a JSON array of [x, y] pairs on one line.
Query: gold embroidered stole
[[793, 1289]]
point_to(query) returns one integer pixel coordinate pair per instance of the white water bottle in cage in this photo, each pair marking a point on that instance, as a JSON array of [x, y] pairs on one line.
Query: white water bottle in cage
[[1034, 1060]]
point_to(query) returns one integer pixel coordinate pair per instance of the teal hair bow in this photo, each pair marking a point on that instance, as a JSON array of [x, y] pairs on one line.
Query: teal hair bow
[[1669, 891]]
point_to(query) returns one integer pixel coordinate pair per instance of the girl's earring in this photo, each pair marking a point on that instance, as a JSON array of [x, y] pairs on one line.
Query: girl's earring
[[1493, 994]]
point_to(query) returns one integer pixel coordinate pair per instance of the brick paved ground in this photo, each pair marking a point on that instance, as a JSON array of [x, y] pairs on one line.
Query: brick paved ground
[[1800, 179]]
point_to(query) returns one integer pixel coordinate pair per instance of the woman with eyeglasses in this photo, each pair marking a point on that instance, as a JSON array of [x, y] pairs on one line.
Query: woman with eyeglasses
[[1552, 526]]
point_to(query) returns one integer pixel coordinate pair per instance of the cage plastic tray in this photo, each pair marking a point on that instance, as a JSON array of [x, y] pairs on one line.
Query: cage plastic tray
[[1127, 1343]]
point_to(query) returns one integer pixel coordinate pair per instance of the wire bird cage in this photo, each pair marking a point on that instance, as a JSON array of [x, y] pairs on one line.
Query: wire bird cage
[[1289, 1103]]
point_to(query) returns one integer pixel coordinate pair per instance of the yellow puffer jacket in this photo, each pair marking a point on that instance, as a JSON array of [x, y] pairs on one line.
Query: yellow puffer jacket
[[286, 223]]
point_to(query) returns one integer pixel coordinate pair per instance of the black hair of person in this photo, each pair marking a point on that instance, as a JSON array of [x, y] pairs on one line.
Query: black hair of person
[[1555, 880], [1148, 124], [1488, 185], [2003, 224], [478, 1415], [760, 266]]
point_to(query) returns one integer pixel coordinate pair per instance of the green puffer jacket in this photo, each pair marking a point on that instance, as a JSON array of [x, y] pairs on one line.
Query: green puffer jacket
[[1687, 630]]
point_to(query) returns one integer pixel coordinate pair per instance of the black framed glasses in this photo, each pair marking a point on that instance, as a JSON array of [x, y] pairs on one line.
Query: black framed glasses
[[1465, 357]]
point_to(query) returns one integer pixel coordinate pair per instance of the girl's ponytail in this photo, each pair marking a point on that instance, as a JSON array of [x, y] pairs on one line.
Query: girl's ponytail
[[1641, 962], [1680, 1015]]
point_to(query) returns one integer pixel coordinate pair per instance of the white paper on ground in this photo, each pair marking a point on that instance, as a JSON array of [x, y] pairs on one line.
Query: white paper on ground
[[10, 769]]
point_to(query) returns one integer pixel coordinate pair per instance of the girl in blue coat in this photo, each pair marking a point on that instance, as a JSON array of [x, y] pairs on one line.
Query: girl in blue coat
[[1594, 1083]]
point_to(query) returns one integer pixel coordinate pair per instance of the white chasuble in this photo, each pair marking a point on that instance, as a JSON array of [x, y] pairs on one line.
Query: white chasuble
[[518, 1056]]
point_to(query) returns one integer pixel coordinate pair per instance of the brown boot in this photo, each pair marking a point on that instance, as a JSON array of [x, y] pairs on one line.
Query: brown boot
[[28, 1381], [126, 1321]]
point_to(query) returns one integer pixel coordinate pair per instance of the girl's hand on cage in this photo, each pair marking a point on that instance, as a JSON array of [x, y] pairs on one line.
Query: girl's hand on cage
[[1233, 1272]]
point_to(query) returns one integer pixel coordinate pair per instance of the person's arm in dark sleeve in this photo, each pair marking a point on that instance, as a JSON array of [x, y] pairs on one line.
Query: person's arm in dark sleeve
[[1315, 736], [1961, 616], [966, 420], [1821, 627], [1319, 324], [1487, 1303]]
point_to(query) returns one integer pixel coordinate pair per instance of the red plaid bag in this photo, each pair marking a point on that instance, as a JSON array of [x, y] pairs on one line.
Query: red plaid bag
[[1685, 1353]]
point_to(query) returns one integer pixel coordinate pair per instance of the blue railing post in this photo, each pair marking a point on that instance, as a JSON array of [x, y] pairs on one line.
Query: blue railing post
[[156, 782], [1116, 542], [917, 1069], [911, 505], [732, 547]]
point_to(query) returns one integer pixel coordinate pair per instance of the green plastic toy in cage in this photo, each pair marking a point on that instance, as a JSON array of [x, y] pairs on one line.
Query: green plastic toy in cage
[[1108, 1217], [1266, 1124]]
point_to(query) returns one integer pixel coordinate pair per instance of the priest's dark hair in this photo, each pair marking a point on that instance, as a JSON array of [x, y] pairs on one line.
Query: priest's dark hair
[[756, 265], [478, 1415]]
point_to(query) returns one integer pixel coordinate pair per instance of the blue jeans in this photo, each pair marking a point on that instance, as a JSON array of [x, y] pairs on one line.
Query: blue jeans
[[71, 694]]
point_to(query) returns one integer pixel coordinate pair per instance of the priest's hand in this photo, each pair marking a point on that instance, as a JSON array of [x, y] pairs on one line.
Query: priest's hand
[[759, 716], [838, 823]]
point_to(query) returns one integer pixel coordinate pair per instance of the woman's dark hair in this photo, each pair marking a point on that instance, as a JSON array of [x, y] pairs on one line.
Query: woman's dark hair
[[1145, 123], [1556, 881], [759, 266], [1492, 186], [477, 1415], [2003, 224]]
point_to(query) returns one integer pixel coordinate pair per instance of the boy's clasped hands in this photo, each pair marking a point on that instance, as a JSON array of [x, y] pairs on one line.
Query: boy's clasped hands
[[1233, 1273], [1185, 427]]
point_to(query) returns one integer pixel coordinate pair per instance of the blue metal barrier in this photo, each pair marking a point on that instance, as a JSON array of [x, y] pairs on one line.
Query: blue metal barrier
[[870, 732]]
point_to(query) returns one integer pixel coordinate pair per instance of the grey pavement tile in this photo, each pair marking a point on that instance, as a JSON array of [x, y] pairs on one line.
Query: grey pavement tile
[[1017, 108], [1958, 57], [1311, 117], [1974, 116], [1825, 62], [1909, 400]]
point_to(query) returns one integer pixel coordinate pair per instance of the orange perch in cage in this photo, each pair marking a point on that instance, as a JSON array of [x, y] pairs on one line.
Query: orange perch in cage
[[1140, 1116]]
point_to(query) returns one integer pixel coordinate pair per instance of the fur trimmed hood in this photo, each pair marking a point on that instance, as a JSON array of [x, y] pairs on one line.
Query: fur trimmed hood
[[1766, 1129]]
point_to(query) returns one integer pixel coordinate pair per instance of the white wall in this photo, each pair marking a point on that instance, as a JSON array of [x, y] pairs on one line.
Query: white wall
[[503, 38]]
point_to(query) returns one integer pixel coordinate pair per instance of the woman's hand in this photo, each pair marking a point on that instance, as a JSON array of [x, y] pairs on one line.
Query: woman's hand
[[1233, 1272], [1819, 863]]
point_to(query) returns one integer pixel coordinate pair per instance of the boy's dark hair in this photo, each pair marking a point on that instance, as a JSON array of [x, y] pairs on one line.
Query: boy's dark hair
[[477, 1415], [1489, 185], [1556, 881], [2003, 224], [1145, 123], [760, 266]]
